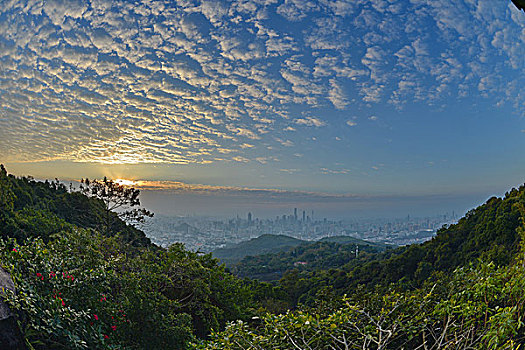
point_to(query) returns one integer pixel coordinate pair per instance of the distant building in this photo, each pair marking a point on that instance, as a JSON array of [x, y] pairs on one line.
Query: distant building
[[249, 217]]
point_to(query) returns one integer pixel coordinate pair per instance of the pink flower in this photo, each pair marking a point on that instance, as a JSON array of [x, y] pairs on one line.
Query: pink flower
[[14, 249], [114, 328], [96, 317], [39, 275], [63, 303], [103, 298], [105, 336]]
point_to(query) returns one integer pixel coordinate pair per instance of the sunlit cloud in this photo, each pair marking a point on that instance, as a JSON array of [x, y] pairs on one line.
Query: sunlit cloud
[[187, 188], [124, 182], [327, 171], [310, 121]]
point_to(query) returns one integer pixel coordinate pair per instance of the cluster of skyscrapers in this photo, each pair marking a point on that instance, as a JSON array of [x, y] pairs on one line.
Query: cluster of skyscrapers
[[289, 218]]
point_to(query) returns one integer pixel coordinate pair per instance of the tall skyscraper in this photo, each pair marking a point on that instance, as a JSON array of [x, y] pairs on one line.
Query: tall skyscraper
[[304, 216], [249, 217], [295, 214]]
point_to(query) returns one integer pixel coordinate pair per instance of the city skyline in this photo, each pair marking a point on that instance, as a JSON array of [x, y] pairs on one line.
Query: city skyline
[[209, 233]]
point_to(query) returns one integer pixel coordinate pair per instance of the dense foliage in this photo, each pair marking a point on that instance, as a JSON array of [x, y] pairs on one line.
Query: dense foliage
[[314, 256], [256, 246], [32, 208], [84, 290], [478, 307]]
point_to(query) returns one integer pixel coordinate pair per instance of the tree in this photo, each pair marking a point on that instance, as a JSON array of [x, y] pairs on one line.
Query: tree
[[6, 194], [120, 201]]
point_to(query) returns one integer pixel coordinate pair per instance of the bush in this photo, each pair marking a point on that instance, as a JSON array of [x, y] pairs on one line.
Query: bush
[[82, 290]]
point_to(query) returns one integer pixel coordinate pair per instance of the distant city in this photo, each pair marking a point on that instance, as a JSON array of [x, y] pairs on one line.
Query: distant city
[[207, 233]]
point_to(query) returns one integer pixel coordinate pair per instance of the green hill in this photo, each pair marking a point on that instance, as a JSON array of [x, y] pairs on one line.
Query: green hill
[[256, 246], [329, 252], [269, 244]]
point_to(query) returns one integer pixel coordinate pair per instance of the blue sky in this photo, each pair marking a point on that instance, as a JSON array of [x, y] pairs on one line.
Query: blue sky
[[316, 99]]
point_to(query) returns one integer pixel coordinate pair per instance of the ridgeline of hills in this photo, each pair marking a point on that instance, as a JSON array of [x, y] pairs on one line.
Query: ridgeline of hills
[[256, 246], [82, 283], [268, 257]]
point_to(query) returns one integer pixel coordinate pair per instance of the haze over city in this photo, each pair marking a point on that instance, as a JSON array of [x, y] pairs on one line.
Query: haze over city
[[349, 108]]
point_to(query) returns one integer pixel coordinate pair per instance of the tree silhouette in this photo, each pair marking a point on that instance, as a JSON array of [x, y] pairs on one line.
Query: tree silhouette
[[6, 194], [120, 201]]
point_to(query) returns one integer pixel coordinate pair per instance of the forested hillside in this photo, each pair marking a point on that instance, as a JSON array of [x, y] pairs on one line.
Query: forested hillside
[[487, 233], [41, 209], [86, 282], [462, 290], [84, 285], [308, 256], [260, 245]]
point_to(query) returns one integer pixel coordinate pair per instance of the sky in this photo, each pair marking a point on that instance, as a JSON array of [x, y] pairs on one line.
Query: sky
[[348, 107]]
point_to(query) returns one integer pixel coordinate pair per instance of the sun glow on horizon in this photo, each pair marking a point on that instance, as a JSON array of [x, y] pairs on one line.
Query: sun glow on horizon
[[125, 182]]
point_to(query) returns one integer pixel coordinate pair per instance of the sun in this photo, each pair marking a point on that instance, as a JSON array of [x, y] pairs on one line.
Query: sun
[[125, 182]]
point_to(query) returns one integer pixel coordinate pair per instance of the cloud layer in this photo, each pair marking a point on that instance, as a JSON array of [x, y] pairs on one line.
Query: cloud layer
[[204, 81], [178, 187]]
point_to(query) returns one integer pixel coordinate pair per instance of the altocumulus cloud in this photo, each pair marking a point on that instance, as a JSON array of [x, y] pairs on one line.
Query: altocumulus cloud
[[189, 81]]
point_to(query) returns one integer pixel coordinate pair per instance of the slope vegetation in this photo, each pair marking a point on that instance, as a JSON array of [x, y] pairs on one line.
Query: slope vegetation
[[329, 252], [256, 246], [486, 233]]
